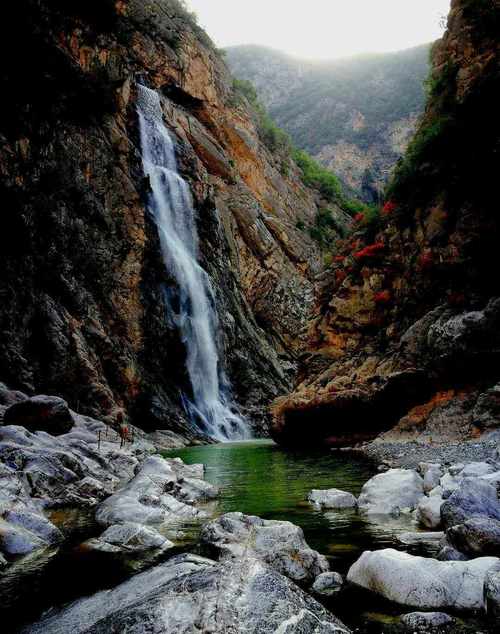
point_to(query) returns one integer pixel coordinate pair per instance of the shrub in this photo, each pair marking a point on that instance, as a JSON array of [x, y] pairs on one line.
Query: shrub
[[372, 250], [382, 297], [316, 176]]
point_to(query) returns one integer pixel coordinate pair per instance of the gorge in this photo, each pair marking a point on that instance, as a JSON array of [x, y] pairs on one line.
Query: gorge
[[238, 392]]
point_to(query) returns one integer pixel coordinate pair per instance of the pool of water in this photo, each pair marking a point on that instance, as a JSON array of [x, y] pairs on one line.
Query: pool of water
[[261, 478]]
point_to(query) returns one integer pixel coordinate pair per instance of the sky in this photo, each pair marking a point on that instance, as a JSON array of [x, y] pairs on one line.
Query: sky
[[322, 29]]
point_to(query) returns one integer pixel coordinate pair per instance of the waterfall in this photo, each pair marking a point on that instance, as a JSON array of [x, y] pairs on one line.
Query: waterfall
[[170, 203]]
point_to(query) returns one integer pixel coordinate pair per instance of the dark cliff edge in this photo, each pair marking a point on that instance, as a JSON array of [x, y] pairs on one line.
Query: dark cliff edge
[[406, 334], [82, 284]]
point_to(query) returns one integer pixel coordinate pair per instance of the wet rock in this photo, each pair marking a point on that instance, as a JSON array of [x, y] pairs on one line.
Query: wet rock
[[41, 413], [190, 593], [492, 593], [390, 493], [476, 537], [431, 539], [428, 511], [448, 553], [473, 498], [427, 621], [422, 582], [332, 499], [280, 545], [476, 469], [157, 495], [327, 584]]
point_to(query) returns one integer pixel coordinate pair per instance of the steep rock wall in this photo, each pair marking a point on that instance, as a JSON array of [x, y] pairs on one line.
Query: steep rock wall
[[82, 284], [406, 334]]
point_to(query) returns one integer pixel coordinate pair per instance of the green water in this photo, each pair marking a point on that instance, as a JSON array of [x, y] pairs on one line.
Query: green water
[[261, 478]]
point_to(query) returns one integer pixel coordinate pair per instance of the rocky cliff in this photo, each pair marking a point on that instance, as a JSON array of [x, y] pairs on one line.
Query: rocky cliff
[[82, 283], [356, 116], [406, 334]]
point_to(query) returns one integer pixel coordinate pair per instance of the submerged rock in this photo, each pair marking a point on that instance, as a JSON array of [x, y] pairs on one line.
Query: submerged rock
[[422, 582], [392, 492], [332, 499], [281, 545], [192, 594], [41, 413], [427, 621]]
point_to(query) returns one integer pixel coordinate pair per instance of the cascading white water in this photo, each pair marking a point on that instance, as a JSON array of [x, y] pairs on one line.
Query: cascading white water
[[171, 206]]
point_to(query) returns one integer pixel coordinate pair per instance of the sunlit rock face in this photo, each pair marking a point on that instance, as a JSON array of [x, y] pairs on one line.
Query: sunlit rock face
[[405, 336], [86, 301]]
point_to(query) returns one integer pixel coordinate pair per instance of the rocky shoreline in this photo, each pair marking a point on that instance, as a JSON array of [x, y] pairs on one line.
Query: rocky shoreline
[[247, 574]]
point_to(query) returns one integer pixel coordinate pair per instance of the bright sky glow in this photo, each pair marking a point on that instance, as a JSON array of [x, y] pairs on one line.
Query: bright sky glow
[[323, 29]]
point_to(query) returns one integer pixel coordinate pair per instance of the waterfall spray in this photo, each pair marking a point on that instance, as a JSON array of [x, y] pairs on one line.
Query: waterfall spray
[[170, 203]]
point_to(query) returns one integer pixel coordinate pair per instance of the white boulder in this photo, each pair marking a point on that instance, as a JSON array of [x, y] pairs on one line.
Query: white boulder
[[391, 493], [332, 499], [428, 512]]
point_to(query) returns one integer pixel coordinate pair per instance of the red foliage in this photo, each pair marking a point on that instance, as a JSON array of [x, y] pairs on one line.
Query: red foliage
[[389, 208], [339, 259], [383, 297], [359, 217], [370, 251], [340, 276], [425, 260]]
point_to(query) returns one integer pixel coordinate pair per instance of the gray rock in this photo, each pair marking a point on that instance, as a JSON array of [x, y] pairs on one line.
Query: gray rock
[[473, 498], [427, 621], [9, 397], [391, 493], [157, 495], [428, 512], [476, 469], [431, 473], [492, 593], [332, 499], [420, 582], [191, 594], [41, 413], [486, 412], [327, 584], [280, 545], [431, 539], [476, 537], [448, 553]]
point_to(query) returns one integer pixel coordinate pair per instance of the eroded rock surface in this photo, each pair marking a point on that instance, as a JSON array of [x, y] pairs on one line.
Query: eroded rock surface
[[190, 593]]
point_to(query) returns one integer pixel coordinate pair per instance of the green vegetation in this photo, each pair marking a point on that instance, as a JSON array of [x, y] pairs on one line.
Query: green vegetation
[[316, 176]]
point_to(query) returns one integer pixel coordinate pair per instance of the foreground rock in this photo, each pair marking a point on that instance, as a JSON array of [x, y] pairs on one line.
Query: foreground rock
[[427, 621], [420, 582], [281, 545], [391, 493], [332, 499], [192, 594], [164, 492], [492, 593], [41, 413], [39, 472], [429, 511]]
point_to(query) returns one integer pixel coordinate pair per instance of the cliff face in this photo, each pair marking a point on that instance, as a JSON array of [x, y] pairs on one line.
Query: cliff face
[[82, 282], [406, 334], [356, 116]]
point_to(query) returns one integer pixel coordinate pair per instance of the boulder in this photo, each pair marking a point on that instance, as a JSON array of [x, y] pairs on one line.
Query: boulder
[[476, 469], [192, 594], [476, 537], [432, 539], [420, 582], [9, 397], [332, 499], [428, 512], [473, 498], [158, 495], [280, 545], [492, 593], [427, 621], [431, 473], [327, 584], [391, 493], [41, 413]]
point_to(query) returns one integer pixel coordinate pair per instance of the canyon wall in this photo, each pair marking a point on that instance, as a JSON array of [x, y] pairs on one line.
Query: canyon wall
[[405, 340], [84, 292]]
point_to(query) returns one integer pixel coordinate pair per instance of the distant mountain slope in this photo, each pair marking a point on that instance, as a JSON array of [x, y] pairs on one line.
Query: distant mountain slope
[[355, 115]]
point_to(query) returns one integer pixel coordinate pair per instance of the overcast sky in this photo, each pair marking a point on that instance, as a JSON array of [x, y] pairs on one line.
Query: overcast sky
[[322, 29]]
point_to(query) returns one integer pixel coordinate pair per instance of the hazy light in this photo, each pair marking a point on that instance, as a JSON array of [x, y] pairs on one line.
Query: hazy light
[[323, 28]]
